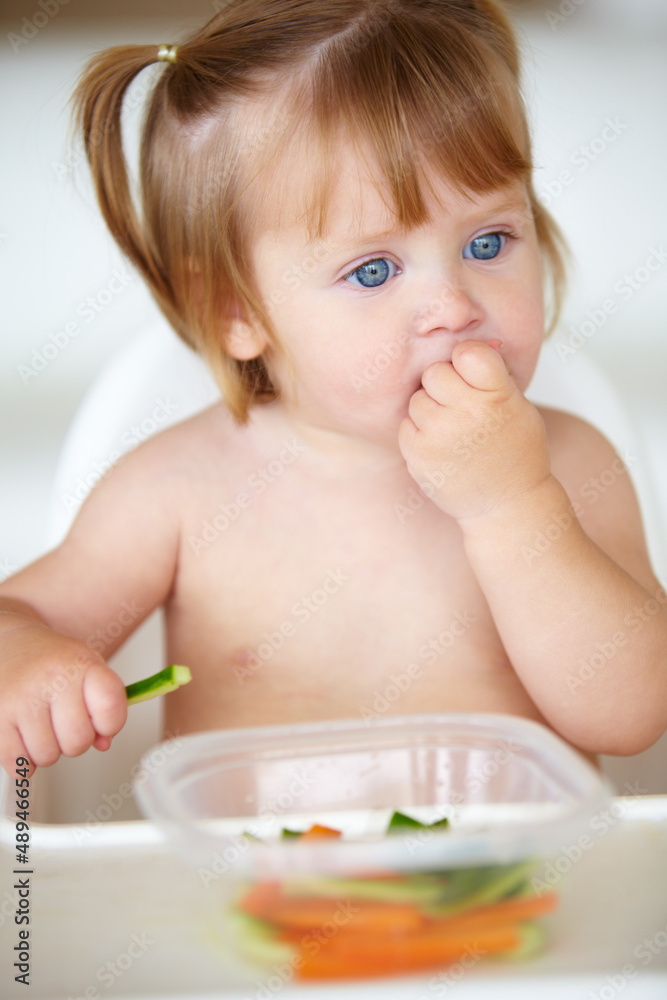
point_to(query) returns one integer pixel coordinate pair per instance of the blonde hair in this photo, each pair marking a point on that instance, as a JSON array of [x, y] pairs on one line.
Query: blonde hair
[[418, 83]]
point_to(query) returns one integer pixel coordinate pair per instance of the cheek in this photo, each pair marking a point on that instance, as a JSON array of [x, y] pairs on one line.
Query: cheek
[[525, 336], [516, 312], [359, 358], [321, 365], [519, 300], [384, 352], [384, 373]]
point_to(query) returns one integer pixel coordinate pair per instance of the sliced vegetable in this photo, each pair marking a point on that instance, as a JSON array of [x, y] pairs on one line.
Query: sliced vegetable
[[351, 955], [504, 913], [306, 913], [533, 937], [417, 889], [259, 941], [399, 822], [260, 899], [161, 683], [468, 887], [317, 832], [510, 910], [393, 922]]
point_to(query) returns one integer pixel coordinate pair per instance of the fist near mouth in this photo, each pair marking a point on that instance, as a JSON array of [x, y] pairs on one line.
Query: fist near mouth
[[472, 435]]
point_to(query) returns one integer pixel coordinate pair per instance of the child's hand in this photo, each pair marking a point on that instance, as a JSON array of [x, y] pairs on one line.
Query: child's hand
[[472, 439], [58, 695]]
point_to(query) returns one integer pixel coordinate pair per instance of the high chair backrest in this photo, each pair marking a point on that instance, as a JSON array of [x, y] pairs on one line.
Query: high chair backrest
[[156, 382]]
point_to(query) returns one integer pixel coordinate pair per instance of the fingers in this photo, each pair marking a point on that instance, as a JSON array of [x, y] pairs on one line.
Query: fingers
[[57, 696], [77, 710], [56, 725], [423, 406], [71, 723], [440, 382], [11, 748], [105, 699], [38, 737], [406, 437], [101, 742], [481, 365]]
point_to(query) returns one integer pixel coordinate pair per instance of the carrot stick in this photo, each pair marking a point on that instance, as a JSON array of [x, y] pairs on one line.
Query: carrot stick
[[519, 908], [260, 899], [323, 966], [311, 912], [348, 956], [425, 943], [265, 900], [505, 911], [317, 830]]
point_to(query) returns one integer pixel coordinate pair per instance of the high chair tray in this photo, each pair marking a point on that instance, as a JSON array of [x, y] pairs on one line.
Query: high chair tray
[[114, 913]]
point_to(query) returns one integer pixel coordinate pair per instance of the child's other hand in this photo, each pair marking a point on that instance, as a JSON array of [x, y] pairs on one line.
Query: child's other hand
[[472, 439], [58, 695]]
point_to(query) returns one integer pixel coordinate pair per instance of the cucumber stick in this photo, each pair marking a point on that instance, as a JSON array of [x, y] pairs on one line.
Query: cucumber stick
[[161, 683], [257, 941]]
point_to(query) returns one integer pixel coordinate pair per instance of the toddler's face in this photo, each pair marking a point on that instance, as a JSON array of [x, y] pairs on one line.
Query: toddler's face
[[365, 310]]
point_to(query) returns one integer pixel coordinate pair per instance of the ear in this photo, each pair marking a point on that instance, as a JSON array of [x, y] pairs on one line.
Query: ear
[[244, 341]]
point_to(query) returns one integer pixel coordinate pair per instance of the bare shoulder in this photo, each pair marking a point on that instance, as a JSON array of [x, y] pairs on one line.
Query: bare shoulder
[[190, 447], [578, 449], [123, 546], [599, 483]]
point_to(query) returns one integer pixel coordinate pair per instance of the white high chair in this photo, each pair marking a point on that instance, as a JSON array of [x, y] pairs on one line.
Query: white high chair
[[158, 381]]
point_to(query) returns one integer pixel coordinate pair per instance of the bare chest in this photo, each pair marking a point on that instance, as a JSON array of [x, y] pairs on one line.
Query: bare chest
[[327, 600]]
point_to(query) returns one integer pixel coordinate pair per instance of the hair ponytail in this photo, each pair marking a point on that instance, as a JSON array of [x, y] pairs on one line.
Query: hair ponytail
[[98, 105]]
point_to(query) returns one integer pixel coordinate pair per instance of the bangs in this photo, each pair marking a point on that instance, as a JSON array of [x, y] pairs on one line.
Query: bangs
[[248, 131], [416, 101]]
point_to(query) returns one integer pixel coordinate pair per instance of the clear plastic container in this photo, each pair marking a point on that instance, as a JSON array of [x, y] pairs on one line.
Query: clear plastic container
[[373, 902]]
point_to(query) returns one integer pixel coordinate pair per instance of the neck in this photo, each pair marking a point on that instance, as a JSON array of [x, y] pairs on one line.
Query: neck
[[340, 453]]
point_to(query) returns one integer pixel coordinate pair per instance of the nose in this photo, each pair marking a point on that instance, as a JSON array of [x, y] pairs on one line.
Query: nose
[[450, 308]]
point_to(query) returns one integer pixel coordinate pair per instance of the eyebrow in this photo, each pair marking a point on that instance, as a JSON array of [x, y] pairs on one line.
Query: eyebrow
[[517, 203], [514, 203], [360, 239]]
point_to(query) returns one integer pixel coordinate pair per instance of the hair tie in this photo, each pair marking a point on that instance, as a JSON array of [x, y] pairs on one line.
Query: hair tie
[[167, 53]]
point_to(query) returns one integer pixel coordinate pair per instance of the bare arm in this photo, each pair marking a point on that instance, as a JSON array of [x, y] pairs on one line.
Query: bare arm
[[66, 613], [569, 584]]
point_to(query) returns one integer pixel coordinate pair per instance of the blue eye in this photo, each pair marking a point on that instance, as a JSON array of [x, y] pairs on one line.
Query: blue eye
[[485, 247], [373, 273]]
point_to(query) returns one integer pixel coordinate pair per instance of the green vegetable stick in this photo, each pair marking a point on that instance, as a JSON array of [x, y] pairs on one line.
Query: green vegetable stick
[[161, 683], [399, 822]]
